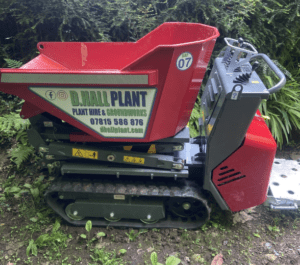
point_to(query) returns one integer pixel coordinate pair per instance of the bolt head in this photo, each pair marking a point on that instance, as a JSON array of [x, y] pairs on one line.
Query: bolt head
[[75, 213], [149, 217], [186, 206], [111, 158], [61, 196], [112, 215], [178, 166]]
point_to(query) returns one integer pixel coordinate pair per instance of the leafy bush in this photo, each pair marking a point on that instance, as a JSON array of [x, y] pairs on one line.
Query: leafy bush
[[283, 109]]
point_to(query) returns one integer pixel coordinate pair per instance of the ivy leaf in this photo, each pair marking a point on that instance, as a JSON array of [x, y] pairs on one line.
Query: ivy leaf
[[27, 185], [101, 234], [33, 219], [56, 226], [122, 251], [35, 192], [88, 226], [172, 260], [14, 189]]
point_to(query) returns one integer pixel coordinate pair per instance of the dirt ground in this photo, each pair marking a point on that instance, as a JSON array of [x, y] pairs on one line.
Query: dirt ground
[[254, 236]]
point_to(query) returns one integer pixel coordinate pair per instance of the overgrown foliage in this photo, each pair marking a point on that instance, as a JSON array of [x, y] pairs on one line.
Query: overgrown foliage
[[12, 125], [194, 119], [272, 26], [283, 108]]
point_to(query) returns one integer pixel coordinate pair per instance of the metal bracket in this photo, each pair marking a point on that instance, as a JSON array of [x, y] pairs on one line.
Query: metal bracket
[[114, 156], [284, 205]]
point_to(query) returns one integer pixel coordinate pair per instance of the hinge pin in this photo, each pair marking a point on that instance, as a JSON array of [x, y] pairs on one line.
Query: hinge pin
[[111, 158]]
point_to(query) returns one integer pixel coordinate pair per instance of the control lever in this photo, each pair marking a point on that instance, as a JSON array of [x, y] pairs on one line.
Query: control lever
[[254, 67], [243, 78], [240, 45]]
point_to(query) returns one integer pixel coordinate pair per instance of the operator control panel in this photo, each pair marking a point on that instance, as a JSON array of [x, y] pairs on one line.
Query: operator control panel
[[233, 78]]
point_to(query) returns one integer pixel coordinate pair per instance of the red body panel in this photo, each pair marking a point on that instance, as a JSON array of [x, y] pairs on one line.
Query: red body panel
[[243, 178], [155, 56]]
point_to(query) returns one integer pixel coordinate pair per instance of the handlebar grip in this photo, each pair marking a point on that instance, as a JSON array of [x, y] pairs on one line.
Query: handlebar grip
[[273, 66]]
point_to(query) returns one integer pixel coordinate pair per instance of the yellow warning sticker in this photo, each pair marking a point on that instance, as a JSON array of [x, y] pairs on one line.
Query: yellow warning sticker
[[127, 148], [255, 82], [135, 160], [152, 149], [84, 153]]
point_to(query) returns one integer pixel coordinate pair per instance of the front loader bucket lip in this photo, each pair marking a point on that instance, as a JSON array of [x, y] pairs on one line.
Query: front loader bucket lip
[[164, 36], [67, 77], [172, 58]]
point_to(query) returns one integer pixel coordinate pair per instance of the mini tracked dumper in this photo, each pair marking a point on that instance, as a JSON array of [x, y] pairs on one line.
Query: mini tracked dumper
[[112, 118]]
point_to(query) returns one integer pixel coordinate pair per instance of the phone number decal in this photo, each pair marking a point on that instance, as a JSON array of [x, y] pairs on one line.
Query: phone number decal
[[111, 112]]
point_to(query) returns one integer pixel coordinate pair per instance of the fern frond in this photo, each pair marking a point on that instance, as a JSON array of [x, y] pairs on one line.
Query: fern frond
[[13, 122], [22, 137], [21, 154], [13, 63]]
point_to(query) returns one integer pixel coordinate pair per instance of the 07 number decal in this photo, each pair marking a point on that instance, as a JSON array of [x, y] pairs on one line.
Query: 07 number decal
[[184, 61]]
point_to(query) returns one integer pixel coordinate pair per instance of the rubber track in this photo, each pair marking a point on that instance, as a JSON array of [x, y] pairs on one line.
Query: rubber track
[[181, 189]]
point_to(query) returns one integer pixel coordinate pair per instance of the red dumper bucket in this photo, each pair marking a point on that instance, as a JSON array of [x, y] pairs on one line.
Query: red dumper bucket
[[117, 92]]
